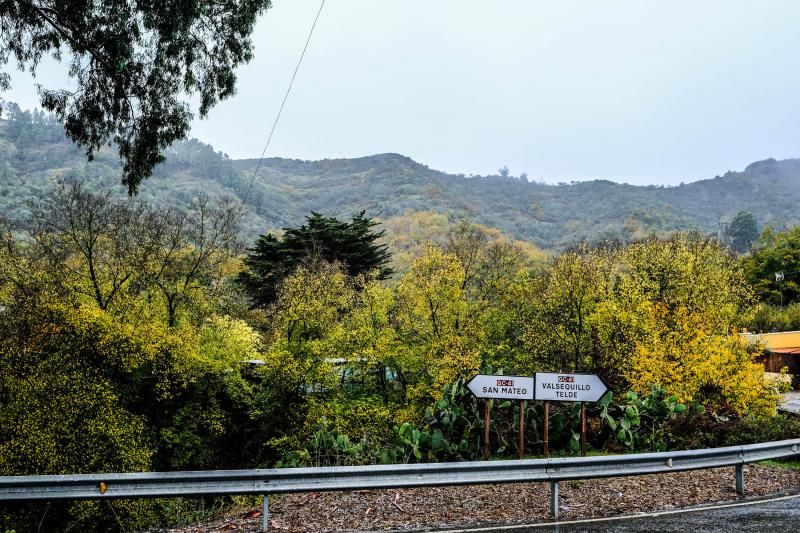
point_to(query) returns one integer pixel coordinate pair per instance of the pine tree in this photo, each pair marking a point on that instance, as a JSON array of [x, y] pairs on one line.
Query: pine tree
[[353, 243]]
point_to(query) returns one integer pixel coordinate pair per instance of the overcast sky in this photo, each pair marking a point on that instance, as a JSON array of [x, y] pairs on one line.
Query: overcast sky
[[633, 91]]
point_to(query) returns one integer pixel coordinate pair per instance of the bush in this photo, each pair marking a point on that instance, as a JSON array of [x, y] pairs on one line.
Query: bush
[[640, 423], [368, 417], [713, 429], [328, 447], [452, 431]]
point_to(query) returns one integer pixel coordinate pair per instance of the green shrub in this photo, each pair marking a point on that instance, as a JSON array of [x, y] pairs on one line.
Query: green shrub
[[641, 423], [713, 429], [367, 416], [328, 447]]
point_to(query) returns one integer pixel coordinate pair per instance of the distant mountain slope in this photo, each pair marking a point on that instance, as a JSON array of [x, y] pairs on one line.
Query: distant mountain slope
[[33, 154]]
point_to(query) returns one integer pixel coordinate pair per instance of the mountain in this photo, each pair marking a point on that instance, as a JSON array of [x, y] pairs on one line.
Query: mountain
[[34, 152]]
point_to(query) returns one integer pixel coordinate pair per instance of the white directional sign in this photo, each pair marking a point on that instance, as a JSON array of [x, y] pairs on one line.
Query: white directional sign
[[501, 387], [569, 387]]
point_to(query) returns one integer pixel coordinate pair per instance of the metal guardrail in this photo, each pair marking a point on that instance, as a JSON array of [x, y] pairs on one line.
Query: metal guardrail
[[288, 480]]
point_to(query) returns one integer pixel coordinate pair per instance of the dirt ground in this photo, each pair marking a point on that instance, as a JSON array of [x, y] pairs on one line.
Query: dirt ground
[[485, 505]]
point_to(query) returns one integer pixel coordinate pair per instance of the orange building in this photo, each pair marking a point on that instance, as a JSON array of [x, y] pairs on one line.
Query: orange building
[[780, 350]]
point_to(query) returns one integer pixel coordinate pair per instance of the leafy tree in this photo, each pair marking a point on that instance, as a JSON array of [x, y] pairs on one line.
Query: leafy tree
[[743, 231], [133, 61], [561, 333], [409, 234], [597, 307], [497, 286], [97, 246], [688, 272], [442, 339], [353, 244], [109, 250], [194, 250], [773, 267], [87, 388], [691, 290], [696, 363]]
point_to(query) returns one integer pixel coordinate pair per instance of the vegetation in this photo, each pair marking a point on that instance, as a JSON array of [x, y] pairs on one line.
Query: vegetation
[[128, 343], [352, 244], [743, 232], [773, 268], [767, 318], [131, 62], [403, 195]]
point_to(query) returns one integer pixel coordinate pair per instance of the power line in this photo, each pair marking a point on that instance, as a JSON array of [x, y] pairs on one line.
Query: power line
[[283, 103]]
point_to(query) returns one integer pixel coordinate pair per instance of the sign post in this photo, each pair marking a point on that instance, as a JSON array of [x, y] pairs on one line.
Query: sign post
[[522, 429], [546, 418], [559, 387], [486, 421], [489, 387], [583, 428]]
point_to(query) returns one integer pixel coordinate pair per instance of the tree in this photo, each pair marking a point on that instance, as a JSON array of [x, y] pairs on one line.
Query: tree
[[353, 243], [688, 293], [496, 286], [107, 249], [613, 310], [562, 332], [696, 363], [103, 384], [193, 249], [96, 245], [442, 339], [743, 231], [133, 61], [773, 267]]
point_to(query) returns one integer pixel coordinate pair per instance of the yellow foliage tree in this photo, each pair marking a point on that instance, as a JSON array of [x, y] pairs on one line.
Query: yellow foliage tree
[[442, 339], [695, 364], [691, 291]]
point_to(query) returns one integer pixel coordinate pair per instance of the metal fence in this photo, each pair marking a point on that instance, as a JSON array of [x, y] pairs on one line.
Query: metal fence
[[280, 481]]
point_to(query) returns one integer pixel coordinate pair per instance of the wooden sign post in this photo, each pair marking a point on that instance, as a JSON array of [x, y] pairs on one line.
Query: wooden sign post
[[489, 387], [553, 386], [521, 429], [583, 428], [486, 421], [546, 421]]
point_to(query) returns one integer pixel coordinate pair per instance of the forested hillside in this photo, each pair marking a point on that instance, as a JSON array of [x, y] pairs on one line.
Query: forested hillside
[[33, 151]]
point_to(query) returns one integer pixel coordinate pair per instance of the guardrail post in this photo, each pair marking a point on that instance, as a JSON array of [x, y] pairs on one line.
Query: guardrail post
[[554, 499], [265, 515], [740, 479]]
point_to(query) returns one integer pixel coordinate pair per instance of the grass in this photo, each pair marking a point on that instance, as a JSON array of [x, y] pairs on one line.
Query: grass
[[792, 464]]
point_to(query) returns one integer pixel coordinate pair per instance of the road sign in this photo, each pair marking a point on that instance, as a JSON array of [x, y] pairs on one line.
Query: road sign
[[501, 387], [569, 387]]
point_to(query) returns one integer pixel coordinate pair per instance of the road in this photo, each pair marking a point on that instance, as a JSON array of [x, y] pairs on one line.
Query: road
[[790, 402], [764, 517]]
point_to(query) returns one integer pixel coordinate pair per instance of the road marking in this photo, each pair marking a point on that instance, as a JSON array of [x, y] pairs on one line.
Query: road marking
[[621, 517]]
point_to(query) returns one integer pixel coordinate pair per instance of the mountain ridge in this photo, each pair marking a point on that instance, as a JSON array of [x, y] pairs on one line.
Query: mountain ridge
[[33, 155]]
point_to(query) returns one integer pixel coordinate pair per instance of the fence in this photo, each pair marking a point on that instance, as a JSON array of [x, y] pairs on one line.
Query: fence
[[281, 481]]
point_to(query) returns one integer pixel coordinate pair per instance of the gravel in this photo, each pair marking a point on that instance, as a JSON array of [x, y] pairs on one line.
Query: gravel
[[486, 505]]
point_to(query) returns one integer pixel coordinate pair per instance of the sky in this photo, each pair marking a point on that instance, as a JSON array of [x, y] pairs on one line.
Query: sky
[[634, 91]]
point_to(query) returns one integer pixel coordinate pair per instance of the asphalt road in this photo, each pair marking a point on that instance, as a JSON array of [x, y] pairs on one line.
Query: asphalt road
[[790, 402], [762, 517]]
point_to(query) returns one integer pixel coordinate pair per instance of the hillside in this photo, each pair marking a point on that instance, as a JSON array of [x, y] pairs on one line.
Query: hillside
[[33, 152]]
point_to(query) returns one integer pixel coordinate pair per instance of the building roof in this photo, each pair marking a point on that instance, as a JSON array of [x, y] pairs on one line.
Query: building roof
[[777, 342], [787, 351]]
